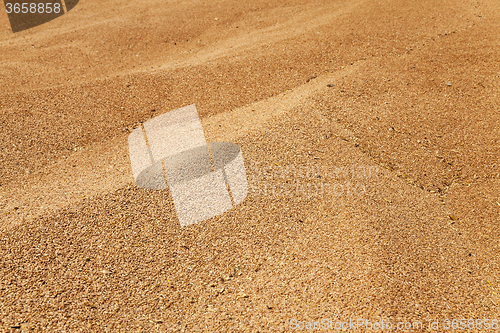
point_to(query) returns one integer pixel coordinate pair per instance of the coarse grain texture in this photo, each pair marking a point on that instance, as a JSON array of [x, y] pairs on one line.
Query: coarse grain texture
[[370, 133]]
